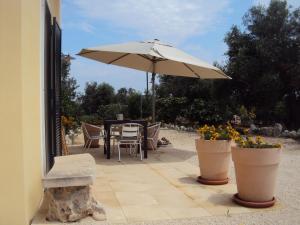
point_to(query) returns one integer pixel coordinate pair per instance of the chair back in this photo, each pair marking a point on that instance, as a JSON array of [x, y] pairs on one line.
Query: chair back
[[84, 130], [91, 130], [153, 135], [153, 130], [131, 130], [115, 130]]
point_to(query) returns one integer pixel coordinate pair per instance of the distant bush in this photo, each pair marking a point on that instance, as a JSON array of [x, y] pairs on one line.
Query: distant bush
[[109, 112], [92, 119]]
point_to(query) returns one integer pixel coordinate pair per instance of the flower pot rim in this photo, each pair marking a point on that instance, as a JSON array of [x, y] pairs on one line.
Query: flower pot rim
[[201, 139], [256, 149]]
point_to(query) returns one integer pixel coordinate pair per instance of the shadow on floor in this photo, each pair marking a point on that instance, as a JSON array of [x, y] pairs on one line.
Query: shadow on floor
[[163, 154]]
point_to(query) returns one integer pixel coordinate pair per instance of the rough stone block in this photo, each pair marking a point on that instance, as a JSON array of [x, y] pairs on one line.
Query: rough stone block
[[70, 204]]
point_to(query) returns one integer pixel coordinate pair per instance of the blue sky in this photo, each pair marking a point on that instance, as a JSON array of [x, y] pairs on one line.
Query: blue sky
[[195, 26]]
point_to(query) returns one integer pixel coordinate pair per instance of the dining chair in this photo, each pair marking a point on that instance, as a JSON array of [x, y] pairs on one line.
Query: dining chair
[[153, 135], [130, 136], [97, 134]]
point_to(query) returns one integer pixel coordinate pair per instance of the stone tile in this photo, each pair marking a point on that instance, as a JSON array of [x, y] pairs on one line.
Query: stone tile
[[101, 185], [119, 186], [187, 168], [108, 199], [187, 212], [201, 192], [221, 204], [115, 215], [135, 198], [172, 175], [144, 213], [169, 198]]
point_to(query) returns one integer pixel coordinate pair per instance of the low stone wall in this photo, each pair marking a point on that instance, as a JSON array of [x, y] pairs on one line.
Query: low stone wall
[[274, 131]]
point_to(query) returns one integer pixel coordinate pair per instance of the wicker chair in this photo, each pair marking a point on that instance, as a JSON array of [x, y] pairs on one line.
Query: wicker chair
[[92, 134], [152, 136]]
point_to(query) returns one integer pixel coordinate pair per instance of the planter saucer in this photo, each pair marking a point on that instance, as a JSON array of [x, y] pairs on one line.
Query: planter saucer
[[212, 182], [248, 204]]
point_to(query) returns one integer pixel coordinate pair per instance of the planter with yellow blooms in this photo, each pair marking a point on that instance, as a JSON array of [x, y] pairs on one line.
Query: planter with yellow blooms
[[256, 163], [214, 153]]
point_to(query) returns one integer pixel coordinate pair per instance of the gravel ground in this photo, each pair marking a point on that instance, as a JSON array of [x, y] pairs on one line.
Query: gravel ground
[[288, 187]]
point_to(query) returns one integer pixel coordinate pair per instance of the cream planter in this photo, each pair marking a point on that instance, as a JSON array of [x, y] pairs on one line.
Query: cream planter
[[256, 173], [214, 158]]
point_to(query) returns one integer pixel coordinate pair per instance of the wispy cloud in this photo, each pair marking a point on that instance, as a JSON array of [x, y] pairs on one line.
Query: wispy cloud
[[172, 20], [80, 25]]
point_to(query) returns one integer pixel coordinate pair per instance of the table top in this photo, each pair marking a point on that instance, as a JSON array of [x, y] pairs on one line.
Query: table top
[[124, 121]]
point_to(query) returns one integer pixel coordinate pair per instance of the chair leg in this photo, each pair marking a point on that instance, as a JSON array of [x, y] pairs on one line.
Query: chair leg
[[119, 150], [90, 144], [136, 150], [152, 145], [87, 143], [113, 146], [141, 152]]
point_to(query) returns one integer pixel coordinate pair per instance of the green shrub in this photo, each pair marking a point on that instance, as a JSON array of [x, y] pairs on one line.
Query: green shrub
[[92, 119]]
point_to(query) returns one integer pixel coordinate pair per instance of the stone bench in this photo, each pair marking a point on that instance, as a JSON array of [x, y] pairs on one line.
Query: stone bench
[[71, 170], [68, 191]]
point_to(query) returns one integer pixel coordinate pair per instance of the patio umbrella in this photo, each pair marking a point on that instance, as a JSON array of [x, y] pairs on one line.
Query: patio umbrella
[[155, 57]]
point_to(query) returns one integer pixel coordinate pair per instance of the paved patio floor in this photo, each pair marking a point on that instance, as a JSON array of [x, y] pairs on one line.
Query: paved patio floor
[[162, 187]]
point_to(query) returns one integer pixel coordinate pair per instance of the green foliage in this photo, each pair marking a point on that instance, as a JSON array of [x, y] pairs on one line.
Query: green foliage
[[110, 111], [280, 111], [92, 119], [208, 111], [68, 90], [169, 108], [247, 116], [96, 95], [264, 62]]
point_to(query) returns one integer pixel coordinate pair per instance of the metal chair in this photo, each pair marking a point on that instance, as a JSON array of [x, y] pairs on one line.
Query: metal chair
[[130, 136]]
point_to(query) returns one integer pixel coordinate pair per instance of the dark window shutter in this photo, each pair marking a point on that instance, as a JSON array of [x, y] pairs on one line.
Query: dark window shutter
[[48, 89], [52, 88], [57, 87]]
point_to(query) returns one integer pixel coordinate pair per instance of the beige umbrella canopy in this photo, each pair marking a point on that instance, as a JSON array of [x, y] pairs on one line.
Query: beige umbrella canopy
[[155, 57]]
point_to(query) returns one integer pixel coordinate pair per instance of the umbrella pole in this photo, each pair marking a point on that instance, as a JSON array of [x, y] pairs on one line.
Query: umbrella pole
[[147, 90], [153, 97]]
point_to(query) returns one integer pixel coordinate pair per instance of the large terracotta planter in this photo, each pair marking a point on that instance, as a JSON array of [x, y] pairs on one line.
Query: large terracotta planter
[[214, 158], [256, 173]]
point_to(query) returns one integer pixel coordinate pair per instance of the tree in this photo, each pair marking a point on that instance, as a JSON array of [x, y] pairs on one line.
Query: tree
[[68, 90], [264, 62], [96, 95], [122, 95]]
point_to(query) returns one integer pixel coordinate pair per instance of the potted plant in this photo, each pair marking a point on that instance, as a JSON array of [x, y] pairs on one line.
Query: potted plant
[[256, 163], [214, 149]]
